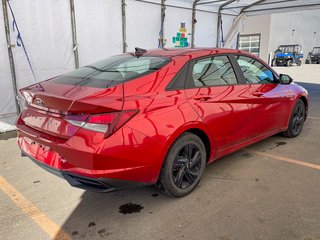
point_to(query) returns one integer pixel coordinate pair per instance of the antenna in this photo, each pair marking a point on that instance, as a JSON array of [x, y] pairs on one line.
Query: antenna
[[139, 52]]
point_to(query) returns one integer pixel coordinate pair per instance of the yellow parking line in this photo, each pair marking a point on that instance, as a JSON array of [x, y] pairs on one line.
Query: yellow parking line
[[316, 118], [305, 164], [40, 218]]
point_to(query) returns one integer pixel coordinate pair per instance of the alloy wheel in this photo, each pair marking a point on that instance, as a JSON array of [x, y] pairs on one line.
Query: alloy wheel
[[186, 166], [297, 119]]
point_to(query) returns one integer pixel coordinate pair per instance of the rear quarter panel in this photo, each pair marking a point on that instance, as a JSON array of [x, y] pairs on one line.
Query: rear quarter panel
[[164, 115]]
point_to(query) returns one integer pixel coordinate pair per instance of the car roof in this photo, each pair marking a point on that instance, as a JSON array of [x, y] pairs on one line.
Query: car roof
[[290, 45], [175, 52]]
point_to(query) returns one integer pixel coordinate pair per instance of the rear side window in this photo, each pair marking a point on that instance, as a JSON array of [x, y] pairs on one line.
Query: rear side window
[[213, 71], [113, 70], [255, 72]]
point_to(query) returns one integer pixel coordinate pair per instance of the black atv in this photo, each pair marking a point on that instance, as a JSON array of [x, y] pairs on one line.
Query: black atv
[[313, 56]]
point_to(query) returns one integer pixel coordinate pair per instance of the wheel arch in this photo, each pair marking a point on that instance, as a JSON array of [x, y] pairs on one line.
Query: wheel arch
[[198, 129], [204, 138], [305, 101]]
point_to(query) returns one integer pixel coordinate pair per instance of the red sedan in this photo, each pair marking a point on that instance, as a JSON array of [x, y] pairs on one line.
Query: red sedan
[[155, 117]]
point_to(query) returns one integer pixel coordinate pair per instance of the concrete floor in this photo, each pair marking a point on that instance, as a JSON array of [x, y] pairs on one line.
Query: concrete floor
[[246, 195]]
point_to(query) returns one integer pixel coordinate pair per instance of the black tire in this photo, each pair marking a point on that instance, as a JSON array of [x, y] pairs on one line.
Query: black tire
[[296, 120], [289, 63], [299, 62], [180, 175], [307, 61]]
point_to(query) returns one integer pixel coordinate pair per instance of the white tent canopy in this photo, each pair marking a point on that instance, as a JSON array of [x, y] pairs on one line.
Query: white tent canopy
[[253, 6], [63, 34]]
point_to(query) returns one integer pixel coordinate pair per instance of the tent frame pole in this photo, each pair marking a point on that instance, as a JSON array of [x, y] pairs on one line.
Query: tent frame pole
[[251, 5], [214, 1], [11, 59], [219, 20], [163, 15], [124, 26], [292, 7], [193, 26], [74, 34]]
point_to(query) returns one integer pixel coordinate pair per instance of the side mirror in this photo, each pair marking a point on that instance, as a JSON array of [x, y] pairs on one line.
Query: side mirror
[[285, 79]]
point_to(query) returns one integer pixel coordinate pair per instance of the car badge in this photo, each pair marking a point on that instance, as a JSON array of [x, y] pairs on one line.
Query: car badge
[[39, 102]]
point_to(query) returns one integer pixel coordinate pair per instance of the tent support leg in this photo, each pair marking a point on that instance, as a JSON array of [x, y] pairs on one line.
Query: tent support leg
[[163, 15], [11, 60], [124, 26], [219, 20], [74, 34], [193, 26]]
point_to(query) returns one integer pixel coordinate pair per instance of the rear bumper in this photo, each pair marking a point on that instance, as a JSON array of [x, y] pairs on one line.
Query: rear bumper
[[87, 183], [126, 157]]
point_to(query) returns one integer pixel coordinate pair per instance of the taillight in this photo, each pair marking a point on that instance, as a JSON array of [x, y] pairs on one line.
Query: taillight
[[27, 96], [25, 99], [77, 120], [107, 123]]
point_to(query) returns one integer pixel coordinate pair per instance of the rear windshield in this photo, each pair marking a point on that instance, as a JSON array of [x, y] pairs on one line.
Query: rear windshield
[[112, 71]]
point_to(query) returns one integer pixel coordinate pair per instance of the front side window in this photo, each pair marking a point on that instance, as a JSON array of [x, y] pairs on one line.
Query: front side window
[[288, 49], [213, 71], [255, 72]]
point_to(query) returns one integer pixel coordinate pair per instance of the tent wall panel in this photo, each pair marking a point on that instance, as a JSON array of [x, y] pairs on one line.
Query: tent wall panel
[[180, 3], [174, 18], [227, 22], [143, 25], [98, 29], [48, 39], [205, 30]]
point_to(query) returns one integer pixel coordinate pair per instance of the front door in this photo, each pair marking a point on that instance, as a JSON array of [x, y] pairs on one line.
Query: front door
[[270, 100]]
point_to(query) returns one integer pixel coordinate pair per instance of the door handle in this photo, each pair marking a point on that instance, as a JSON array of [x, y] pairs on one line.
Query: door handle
[[201, 98], [257, 94]]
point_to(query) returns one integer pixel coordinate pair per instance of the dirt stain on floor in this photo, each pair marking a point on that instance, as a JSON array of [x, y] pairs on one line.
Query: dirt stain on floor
[[92, 224], [246, 155], [104, 233], [129, 208], [278, 144]]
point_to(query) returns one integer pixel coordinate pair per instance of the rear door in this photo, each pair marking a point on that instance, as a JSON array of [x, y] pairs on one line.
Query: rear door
[[270, 100], [213, 90]]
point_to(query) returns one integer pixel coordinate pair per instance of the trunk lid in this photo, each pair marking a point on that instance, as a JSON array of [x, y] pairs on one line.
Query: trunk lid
[[57, 97], [54, 108]]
